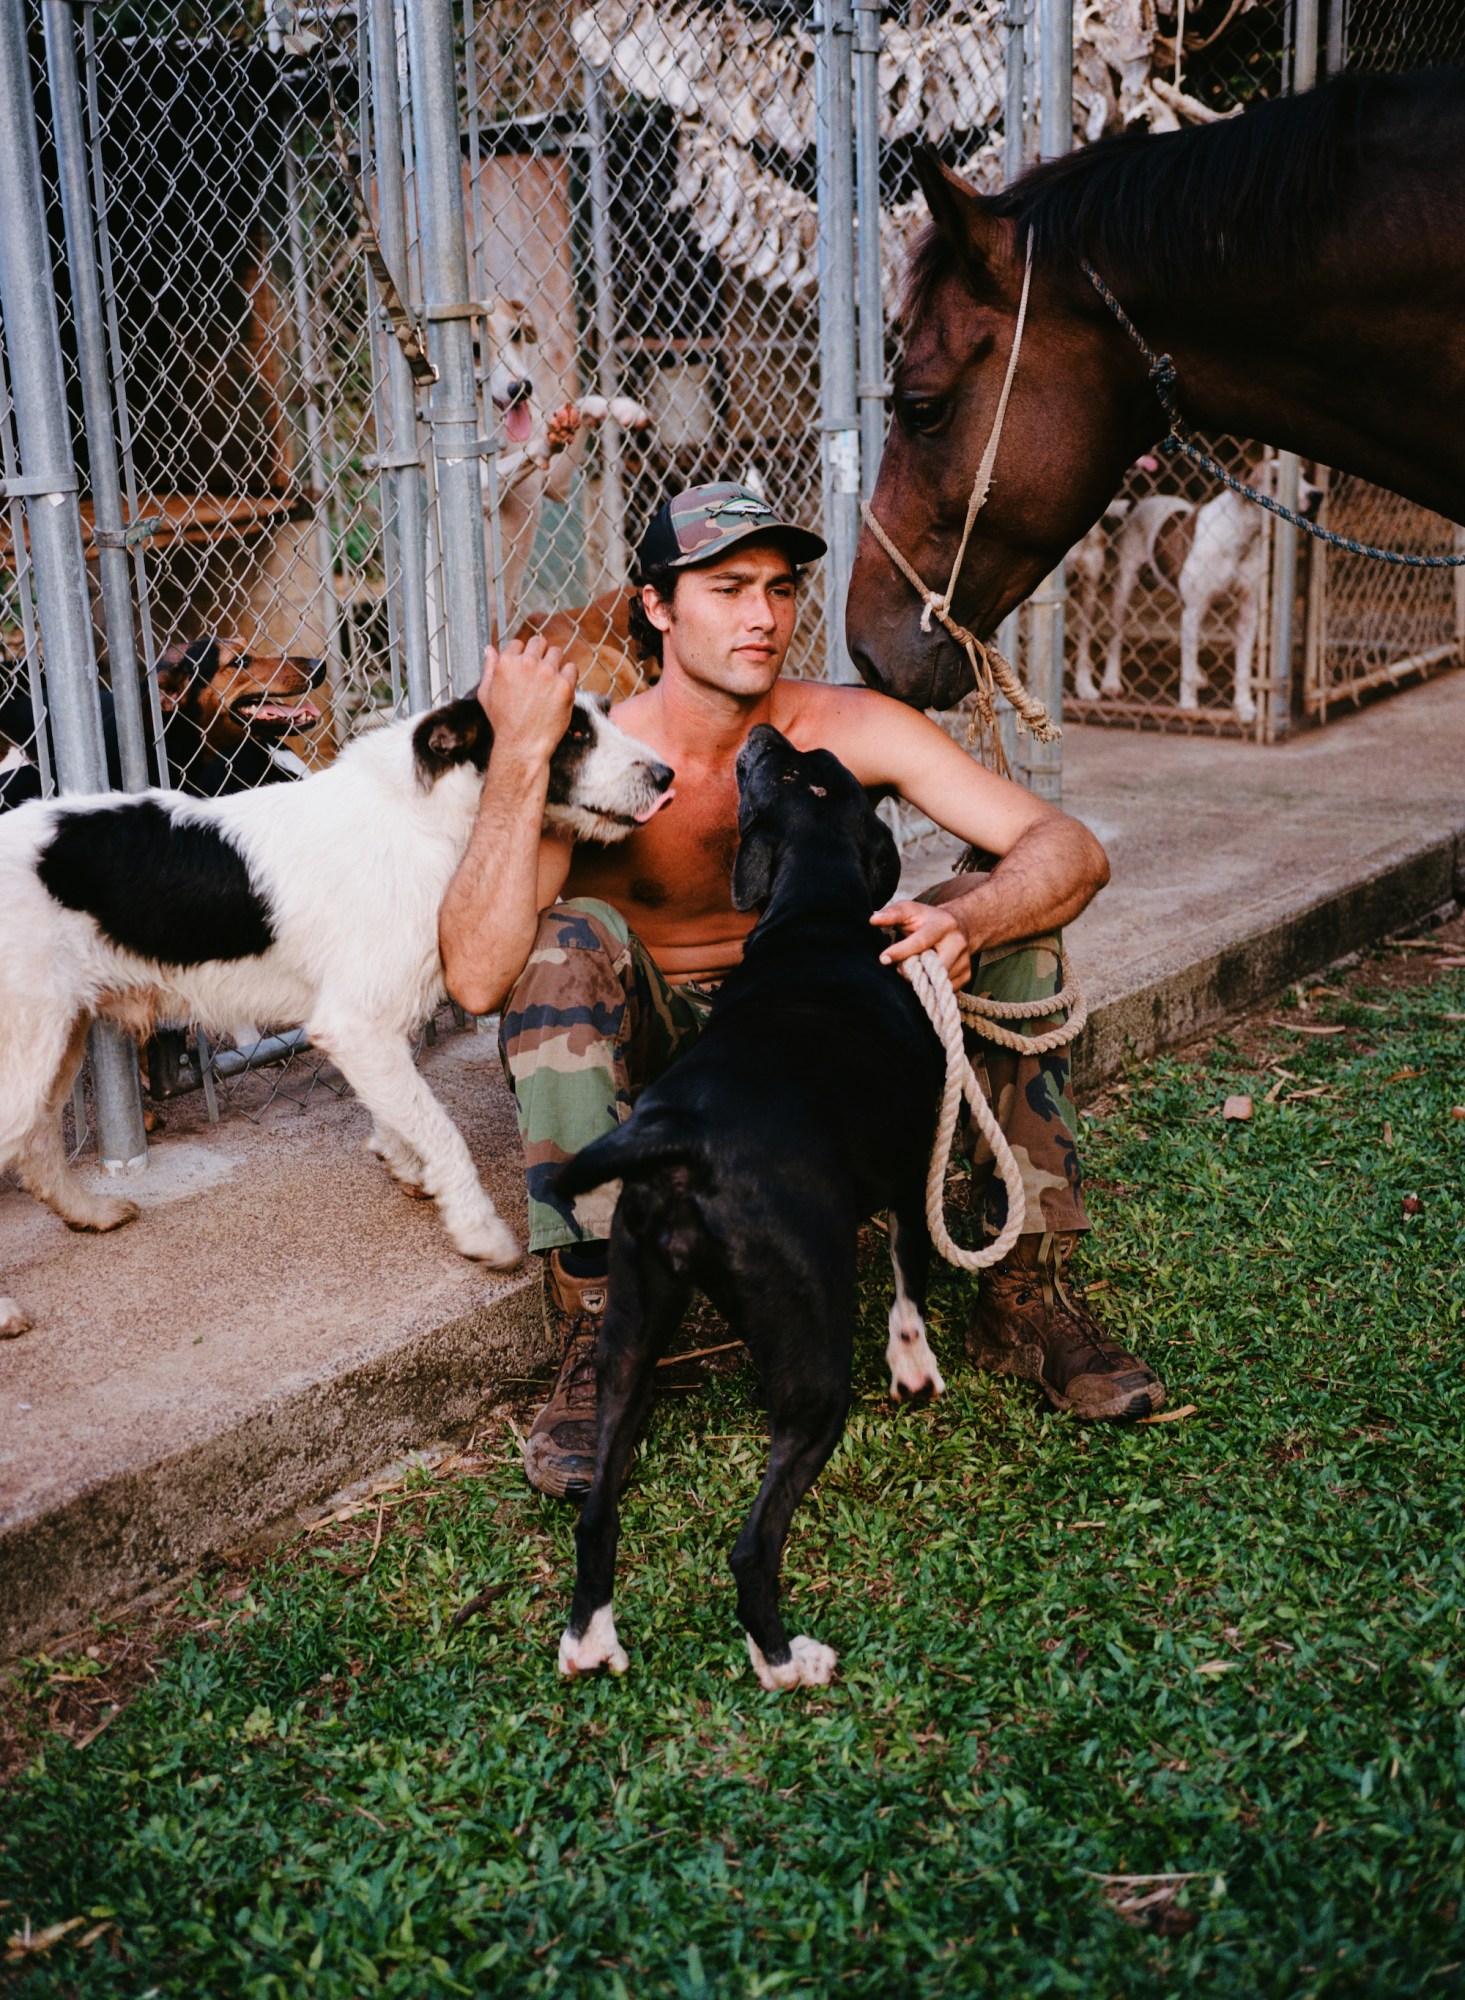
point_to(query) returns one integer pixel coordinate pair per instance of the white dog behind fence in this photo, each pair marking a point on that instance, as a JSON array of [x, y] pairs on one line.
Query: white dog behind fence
[[312, 905], [534, 437], [1211, 554]]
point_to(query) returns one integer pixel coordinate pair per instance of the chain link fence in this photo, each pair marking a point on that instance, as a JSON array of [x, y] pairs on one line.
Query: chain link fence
[[1370, 627], [385, 324], [1177, 610]]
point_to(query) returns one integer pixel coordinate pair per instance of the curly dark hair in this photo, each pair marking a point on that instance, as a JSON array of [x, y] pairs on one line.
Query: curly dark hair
[[662, 578]]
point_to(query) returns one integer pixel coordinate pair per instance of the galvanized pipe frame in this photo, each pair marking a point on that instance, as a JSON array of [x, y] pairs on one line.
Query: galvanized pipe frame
[[399, 456], [833, 29], [1040, 765], [492, 484], [313, 380], [874, 390], [449, 311], [1015, 18], [1274, 718], [48, 482], [109, 528], [139, 530], [602, 264]]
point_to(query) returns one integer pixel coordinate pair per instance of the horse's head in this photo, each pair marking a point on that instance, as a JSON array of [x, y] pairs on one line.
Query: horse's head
[[1075, 419]]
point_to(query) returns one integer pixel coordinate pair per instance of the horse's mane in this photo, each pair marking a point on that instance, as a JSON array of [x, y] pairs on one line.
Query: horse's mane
[[1238, 202]]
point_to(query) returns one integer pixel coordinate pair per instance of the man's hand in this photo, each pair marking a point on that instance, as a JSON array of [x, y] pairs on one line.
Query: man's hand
[[927, 927], [527, 692]]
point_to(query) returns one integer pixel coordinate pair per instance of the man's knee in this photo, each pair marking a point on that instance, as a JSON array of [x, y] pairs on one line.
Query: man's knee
[[579, 945]]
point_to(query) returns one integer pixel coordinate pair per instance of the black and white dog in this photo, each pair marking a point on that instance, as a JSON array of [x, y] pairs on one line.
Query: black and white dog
[[809, 1100], [309, 905]]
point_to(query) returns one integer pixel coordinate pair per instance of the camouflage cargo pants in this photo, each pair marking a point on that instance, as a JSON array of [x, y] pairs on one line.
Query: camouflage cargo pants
[[591, 1021]]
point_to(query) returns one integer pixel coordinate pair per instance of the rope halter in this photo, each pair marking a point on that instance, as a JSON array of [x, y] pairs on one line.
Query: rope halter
[[991, 673]]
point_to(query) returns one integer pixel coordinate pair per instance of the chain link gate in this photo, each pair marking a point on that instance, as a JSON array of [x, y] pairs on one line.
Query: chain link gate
[[1192, 609], [1368, 626], [387, 323]]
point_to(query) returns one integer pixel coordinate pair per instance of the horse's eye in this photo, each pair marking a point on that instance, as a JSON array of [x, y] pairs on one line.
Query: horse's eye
[[922, 413]]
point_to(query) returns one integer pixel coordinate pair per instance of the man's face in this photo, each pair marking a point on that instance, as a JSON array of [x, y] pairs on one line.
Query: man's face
[[731, 621]]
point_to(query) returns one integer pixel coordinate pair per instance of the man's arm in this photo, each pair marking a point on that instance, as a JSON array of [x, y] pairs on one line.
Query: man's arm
[[511, 870], [1049, 867]]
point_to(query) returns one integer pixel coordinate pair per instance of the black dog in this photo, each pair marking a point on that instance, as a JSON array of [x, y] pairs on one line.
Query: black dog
[[225, 715], [809, 1101]]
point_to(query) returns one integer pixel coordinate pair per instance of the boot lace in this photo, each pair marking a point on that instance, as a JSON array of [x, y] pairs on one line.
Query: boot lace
[[577, 1370]]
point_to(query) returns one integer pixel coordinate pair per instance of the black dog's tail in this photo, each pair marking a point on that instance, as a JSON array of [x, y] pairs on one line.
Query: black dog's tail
[[659, 1201], [628, 1153]]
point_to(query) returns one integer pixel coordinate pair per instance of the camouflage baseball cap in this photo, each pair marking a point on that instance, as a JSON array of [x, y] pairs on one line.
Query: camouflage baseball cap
[[706, 521]]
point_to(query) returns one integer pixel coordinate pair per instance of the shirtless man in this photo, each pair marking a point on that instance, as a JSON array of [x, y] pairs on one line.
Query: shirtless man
[[604, 961]]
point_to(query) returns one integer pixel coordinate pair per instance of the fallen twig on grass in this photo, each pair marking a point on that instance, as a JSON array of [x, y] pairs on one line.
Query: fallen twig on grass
[[376, 1540], [475, 1605], [697, 1354]]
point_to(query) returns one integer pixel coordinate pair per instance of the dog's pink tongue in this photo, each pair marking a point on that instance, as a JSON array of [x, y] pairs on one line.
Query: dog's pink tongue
[[650, 812], [518, 423]]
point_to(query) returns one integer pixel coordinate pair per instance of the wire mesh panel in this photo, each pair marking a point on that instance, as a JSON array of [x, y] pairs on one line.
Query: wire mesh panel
[[1170, 616], [1167, 621], [1372, 626], [643, 220], [241, 399]]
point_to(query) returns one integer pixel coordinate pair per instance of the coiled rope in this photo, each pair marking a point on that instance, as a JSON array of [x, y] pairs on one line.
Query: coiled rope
[[933, 988]]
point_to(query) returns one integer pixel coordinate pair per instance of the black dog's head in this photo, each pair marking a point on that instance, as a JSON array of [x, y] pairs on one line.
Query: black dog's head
[[798, 805], [228, 693]]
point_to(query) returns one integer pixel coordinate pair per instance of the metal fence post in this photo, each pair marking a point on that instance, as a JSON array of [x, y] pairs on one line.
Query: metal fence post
[[48, 483], [96, 390], [452, 407], [1014, 159], [602, 260], [1277, 710], [833, 29], [872, 389], [1041, 764], [401, 462], [313, 379]]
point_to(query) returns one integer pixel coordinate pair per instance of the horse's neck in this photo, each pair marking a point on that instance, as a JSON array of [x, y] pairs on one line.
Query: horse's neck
[[1360, 365]]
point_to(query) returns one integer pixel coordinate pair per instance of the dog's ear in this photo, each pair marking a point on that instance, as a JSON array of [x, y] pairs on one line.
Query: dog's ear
[[752, 882], [880, 858], [180, 666], [459, 733]]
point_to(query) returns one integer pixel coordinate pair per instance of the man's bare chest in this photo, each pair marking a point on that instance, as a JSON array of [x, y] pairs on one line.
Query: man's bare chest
[[679, 863]]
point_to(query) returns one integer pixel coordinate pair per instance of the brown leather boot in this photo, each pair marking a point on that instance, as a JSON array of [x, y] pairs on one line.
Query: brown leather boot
[[1032, 1322], [559, 1452]]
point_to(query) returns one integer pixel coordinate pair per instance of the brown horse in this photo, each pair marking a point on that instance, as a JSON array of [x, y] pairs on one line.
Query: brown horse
[[1304, 265]]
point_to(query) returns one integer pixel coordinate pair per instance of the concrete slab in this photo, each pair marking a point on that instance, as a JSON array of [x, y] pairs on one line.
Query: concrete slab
[[279, 1319], [282, 1319]]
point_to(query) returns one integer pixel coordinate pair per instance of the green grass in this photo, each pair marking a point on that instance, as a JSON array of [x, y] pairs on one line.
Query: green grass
[[1228, 1647]]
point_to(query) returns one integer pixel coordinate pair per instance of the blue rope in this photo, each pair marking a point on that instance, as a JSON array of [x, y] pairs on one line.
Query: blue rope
[[1180, 437]]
